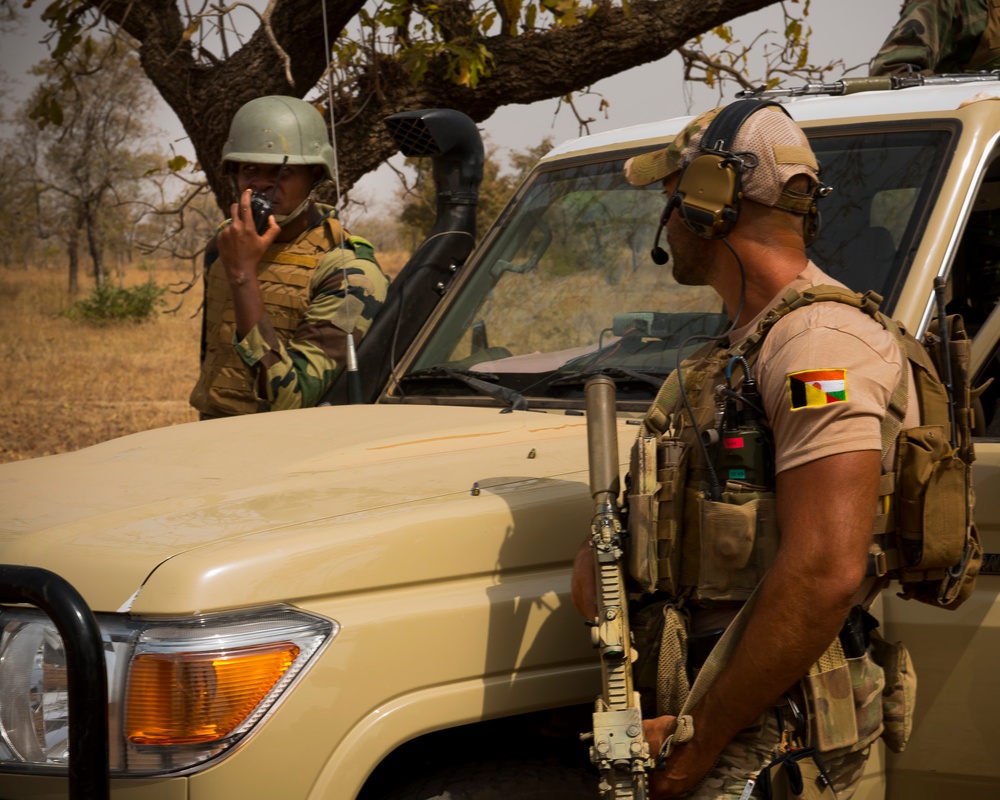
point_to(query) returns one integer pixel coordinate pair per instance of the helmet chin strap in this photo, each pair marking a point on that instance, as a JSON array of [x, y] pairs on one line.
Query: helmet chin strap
[[284, 219]]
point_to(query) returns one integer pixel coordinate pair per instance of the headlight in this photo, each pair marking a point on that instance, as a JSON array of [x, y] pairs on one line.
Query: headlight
[[180, 691]]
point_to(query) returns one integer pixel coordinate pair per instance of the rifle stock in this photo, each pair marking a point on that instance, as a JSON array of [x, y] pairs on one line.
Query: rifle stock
[[619, 749]]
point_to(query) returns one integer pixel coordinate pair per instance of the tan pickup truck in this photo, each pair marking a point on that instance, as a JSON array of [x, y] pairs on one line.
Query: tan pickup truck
[[371, 601]]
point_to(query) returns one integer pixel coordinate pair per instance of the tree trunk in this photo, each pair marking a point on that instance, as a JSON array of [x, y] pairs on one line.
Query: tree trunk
[[73, 251], [94, 246]]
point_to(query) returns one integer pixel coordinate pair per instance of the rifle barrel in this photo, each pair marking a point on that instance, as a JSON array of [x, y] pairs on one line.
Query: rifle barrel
[[602, 438]]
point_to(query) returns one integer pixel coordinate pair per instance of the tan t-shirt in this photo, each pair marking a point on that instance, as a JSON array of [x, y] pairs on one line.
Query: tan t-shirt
[[826, 373]]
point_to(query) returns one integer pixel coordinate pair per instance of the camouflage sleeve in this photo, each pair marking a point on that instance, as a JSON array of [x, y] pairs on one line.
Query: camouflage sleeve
[[926, 34], [298, 374], [921, 36]]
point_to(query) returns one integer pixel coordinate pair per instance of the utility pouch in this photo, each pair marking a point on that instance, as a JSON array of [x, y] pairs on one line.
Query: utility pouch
[[945, 588], [657, 472], [900, 693], [844, 701], [930, 497], [739, 540]]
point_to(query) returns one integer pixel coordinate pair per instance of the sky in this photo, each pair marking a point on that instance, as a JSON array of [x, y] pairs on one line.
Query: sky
[[851, 30]]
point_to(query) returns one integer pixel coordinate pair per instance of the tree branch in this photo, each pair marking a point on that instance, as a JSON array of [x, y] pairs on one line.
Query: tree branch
[[536, 65]]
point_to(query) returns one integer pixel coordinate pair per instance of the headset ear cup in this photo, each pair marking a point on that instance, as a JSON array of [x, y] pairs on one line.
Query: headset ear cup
[[710, 190]]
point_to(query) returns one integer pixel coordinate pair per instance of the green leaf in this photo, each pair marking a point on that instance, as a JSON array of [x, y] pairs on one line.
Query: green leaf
[[69, 37], [177, 163]]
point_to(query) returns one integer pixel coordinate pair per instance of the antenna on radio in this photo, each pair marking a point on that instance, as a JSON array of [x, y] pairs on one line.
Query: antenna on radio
[[354, 395]]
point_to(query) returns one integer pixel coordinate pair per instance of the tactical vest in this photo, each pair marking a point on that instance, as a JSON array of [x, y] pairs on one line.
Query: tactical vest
[[285, 272], [702, 531]]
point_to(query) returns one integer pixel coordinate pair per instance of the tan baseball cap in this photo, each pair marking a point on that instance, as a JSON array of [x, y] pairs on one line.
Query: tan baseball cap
[[781, 148]]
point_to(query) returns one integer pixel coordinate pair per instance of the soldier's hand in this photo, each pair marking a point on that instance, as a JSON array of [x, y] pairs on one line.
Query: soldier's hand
[[656, 731], [685, 767], [584, 582], [240, 246]]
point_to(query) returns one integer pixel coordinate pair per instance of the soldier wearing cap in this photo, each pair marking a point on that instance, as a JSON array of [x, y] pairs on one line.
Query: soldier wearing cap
[[942, 36], [279, 305], [825, 374]]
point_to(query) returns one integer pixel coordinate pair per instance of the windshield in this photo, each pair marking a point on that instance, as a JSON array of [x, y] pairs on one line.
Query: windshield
[[566, 288]]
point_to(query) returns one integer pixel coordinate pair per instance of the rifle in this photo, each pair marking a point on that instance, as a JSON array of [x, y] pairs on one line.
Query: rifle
[[619, 750], [872, 84]]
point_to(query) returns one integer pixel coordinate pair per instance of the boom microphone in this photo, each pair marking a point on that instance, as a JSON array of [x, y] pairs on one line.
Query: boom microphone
[[658, 254]]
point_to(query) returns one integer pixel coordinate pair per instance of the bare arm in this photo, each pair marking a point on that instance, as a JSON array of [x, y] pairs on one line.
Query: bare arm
[[825, 513]]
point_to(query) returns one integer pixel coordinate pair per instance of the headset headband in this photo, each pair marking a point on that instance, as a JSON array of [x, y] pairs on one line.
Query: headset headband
[[724, 127]]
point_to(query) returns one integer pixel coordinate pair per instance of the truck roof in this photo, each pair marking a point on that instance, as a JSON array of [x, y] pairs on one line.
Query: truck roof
[[805, 109]]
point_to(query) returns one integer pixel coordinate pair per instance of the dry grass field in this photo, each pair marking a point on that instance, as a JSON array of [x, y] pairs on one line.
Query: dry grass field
[[69, 384]]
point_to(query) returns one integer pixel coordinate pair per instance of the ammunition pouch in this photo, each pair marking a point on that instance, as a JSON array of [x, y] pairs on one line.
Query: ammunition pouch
[[738, 537], [843, 701], [656, 507], [687, 545], [937, 551], [900, 693], [862, 687]]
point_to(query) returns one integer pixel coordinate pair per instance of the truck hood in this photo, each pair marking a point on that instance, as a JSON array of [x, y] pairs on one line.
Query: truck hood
[[293, 504]]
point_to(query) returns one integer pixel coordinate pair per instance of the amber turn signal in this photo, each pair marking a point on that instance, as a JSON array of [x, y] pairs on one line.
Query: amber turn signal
[[181, 698]]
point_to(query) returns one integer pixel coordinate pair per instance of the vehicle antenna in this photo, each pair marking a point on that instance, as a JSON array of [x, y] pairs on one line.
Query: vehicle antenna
[[353, 376]]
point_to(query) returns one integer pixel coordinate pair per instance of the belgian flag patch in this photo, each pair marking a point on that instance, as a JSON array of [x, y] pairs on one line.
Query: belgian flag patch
[[817, 387]]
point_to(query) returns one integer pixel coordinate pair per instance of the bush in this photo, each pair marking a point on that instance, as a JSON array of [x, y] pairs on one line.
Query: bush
[[108, 303]]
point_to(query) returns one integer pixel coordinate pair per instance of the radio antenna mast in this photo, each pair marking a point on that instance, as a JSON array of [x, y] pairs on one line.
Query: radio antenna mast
[[353, 377]]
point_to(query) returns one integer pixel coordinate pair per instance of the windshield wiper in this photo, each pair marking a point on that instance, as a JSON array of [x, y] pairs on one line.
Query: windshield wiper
[[479, 381], [619, 375]]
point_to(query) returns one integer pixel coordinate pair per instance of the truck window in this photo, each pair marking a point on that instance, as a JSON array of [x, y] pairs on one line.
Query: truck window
[[883, 184], [566, 287]]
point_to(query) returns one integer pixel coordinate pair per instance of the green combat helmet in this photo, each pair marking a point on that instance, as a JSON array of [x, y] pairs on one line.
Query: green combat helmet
[[267, 129]]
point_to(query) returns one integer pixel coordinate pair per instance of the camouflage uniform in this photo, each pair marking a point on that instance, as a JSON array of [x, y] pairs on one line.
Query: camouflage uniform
[[942, 36], [755, 747], [292, 356]]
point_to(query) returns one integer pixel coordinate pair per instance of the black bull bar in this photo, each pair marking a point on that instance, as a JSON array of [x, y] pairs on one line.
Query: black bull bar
[[86, 674]]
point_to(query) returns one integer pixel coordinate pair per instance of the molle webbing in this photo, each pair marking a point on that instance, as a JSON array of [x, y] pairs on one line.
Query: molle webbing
[[902, 512], [668, 400], [683, 542]]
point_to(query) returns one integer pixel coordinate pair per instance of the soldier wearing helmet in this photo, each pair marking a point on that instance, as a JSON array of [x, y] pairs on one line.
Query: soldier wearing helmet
[[281, 297]]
